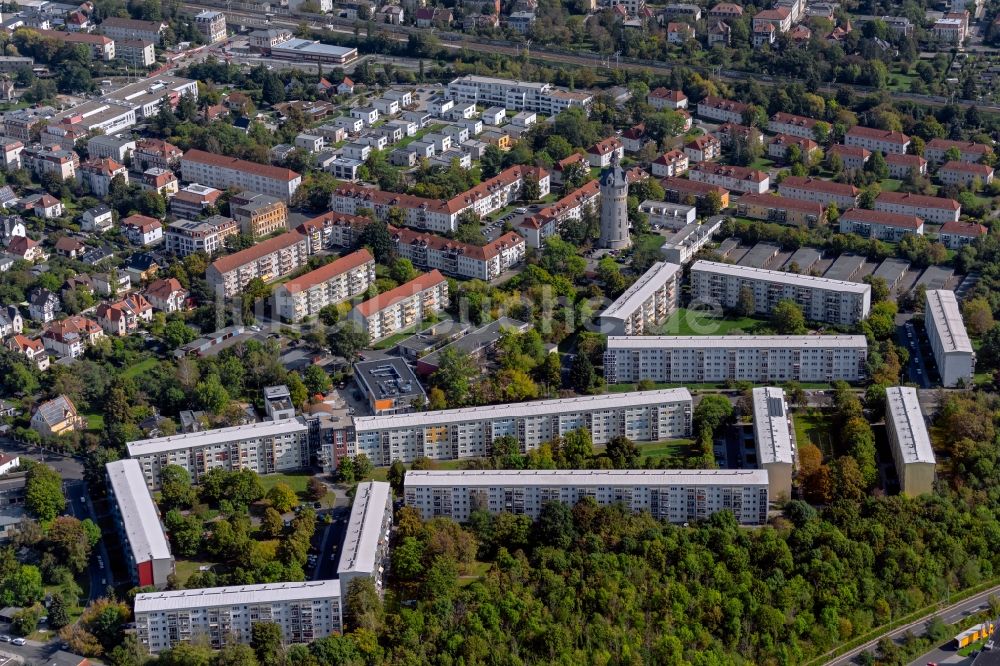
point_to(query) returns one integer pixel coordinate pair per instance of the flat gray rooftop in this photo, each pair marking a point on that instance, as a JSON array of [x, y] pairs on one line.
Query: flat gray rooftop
[[846, 267], [935, 277], [760, 255], [805, 258]]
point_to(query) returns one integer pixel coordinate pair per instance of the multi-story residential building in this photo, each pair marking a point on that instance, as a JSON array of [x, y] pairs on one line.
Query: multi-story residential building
[[936, 150], [876, 224], [185, 237], [138, 53], [686, 191], [723, 110], [258, 214], [901, 166], [732, 178], [42, 305], [98, 174], [125, 316], [703, 148], [682, 246], [546, 222], [781, 210], [97, 219], [956, 235], [142, 230], [643, 416], [773, 442], [937, 210], [42, 160], [779, 146], [788, 123], [517, 95], [161, 181], [885, 141], [265, 447], [147, 551], [70, 337], [10, 153], [332, 230], [223, 172], [166, 295], [852, 158], [476, 262], [402, 307], [333, 283], [648, 303], [125, 28], [268, 260], [953, 352], [219, 616], [670, 163], [820, 191], [115, 147], [436, 214], [366, 542], [965, 174], [949, 30], [155, 153], [722, 358], [193, 199], [662, 98], [101, 47], [780, 18], [821, 299], [908, 440], [22, 125], [676, 496], [212, 25], [603, 152]]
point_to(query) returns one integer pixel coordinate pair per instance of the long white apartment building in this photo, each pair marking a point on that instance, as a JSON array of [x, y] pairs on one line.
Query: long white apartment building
[[678, 496], [224, 615], [642, 416], [720, 358], [773, 444], [219, 171], [937, 210], [402, 307], [909, 441], [953, 352], [333, 283], [821, 299], [268, 260], [147, 551], [517, 95], [647, 303], [265, 447], [366, 543], [684, 244]]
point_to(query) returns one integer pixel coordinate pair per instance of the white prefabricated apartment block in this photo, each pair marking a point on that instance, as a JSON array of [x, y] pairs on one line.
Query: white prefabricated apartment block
[[642, 416], [400, 308], [772, 436], [265, 447], [821, 299], [224, 615], [909, 441], [678, 496], [147, 551], [366, 542], [953, 352], [720, 358], [333, 283], [647, 303]]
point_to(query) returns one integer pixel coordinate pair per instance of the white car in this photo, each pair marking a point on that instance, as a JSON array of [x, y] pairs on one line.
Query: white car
[[18, 641]]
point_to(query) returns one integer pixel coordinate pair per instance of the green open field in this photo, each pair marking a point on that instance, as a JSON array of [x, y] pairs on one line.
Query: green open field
[[94, 421], [650, 241], [140, 367], [813, 427], [185, 568], [695, 322], [670, 448], [297, 481]]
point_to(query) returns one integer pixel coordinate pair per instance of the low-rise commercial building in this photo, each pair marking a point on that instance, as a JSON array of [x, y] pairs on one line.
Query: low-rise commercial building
[[644, 416], [908, 440], [953, 352], [722, 358], [402, 307], [668, 215], [336, 282], [821, 299], [269, 260], [773, 442], [222, 615], [882, 226], [146, 549], [366, 541], [676, 496], [648, 303], [265, 447]]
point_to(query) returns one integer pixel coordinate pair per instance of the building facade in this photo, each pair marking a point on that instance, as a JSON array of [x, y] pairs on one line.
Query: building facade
[[366, 542], [883, 226], [936, 210], [649, 302], [953, 352], [774, 444], [268, 260], [908, 440], [336, 282], [146, 548], [402, 307], [223, 172]]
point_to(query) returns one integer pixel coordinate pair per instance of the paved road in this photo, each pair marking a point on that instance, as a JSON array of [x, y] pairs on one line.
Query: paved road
[[951, 614], [81, 507], [69, 468]]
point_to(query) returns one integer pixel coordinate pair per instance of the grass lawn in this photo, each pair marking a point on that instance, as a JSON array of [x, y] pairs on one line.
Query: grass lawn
[[761, 164], [140, 367], [670, 448], [650, 241], [186, 568], [473, 572], [396, 338], [694, 322], [297, 481], [419, 135], [814, 427], [95, 421], [890, 184]]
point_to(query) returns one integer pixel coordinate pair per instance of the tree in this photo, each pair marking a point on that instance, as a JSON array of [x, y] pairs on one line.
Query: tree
[[211, 395], [577, 448], [363, 467], [25, 621], [348, 340], [44, 496], [746, 306], [22, 587], [58, 612], [377, 237], [530, 190], [582, 376], [177, 333], [978, 316], [623, 453], [363, 606], [788, 318], [271, 523], [282, 498], [554, 526], [712, 412], [454, 376], [176, 490], [265, 639], [396, 475], [402, 270], [236, 654], [316, 490], [70, 542]]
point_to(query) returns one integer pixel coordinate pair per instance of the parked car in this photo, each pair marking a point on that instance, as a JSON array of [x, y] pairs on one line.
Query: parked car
[[18, 641], [4, 638]]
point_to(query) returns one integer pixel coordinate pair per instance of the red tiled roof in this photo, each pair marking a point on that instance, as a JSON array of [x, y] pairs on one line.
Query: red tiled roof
[[666, 93], [905, 160], [585, 193], [807, 145], [819, 185], [972, 229], [20, 245], [606, 146], [728, 171], [565, 162], [478, 252], [163, 288], [23, 343], [779, 14], [850, 151], [918, 200], [792, 119], [968, 167], [963, 146], [669, 157], [143, 223], [262, 249], [223, 162], [332, 218], [879, 217], [775, 201], [880, 135], [330, 270], [700, 142], [414, 286], [723, 104]]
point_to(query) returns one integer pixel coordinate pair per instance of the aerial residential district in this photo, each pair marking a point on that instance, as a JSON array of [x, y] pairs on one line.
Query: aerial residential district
[[337, 332]]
